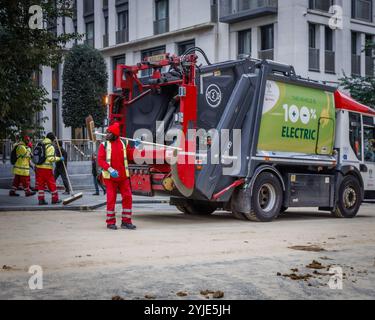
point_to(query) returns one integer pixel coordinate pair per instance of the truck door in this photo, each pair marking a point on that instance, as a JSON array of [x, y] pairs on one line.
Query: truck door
[[369, 156]]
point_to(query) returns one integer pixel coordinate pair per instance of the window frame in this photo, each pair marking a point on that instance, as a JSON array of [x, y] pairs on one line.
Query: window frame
[[241, 43]]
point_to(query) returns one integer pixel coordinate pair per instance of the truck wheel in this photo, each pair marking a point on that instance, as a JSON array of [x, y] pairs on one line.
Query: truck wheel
[[195, 208], [267, 197], [349, 198]]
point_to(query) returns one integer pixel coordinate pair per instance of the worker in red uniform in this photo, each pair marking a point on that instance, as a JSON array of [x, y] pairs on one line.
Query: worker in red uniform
[[44, 172], [113, 159]]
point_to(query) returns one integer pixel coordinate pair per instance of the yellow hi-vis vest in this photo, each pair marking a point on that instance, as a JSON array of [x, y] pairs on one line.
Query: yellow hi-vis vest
[[108, 150], [22, 166]]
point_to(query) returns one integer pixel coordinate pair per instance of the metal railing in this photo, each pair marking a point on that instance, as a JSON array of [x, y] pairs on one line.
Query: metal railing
[[122, 36], [161, 26], [370, 66], [330, 62], [314, 59], [266, 54], [356, 65], [228, 7], [77, 150]]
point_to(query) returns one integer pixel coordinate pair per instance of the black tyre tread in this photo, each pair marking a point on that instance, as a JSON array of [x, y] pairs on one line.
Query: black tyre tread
[[338, 212], [253, 216], [239, 215]]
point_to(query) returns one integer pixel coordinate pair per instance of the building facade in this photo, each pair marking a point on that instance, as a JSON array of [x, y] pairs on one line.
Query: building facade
[[321, 43]]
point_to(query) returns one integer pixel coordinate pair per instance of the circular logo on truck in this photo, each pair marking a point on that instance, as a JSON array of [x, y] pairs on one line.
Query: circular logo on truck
[[213, 95]]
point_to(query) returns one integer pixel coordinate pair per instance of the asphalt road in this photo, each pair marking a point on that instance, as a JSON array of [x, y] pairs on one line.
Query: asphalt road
[[172, 254]]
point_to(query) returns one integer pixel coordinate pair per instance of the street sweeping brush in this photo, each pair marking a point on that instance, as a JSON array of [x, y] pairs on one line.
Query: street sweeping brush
[[73, 197]]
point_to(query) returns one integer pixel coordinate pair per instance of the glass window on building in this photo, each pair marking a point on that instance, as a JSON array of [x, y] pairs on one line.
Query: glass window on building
[[321, 5], [355, 134], [161, 23], [244, 42], [90, 34], [115, 62], [149, 53], [55, 79], [267, 37], [362, 10], [267, 42], [88, 7], [184, 46]]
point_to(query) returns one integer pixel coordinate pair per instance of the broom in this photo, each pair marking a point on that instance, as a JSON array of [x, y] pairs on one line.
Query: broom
[[73, 197]]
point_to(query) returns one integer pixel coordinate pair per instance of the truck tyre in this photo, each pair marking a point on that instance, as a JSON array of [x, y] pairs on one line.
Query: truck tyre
[[267, 198], [194, 208], [348, 198]]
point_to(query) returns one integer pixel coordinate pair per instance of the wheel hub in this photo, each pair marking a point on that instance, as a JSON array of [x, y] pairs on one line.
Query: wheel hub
[[350, 197], [267, 197]]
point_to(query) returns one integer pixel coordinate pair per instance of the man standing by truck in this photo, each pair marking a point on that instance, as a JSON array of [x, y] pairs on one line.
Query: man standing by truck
[[113, 159], [44, 169], [21, 155]]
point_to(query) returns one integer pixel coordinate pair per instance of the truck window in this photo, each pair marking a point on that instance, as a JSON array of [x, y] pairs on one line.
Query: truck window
[[369, 139], [355, 134]]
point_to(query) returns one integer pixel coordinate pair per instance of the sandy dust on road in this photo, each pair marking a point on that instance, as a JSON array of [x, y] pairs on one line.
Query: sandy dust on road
[[243, 259]]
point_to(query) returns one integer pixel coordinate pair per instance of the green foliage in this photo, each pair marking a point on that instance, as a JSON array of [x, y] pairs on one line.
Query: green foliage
[[22, 51], [85, 81], [361, 89]]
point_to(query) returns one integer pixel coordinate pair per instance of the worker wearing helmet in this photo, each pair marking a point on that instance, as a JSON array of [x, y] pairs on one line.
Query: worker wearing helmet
[[113, 159], [21, 168], [44, 171]]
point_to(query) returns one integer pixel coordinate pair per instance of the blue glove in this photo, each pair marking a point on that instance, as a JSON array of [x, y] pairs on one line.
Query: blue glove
[[62, 159], [113, 173], [137, 143]]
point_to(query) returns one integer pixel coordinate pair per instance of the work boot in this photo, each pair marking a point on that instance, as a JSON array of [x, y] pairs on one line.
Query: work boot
[[43, 202], [111, 227], [95, 194], [56, 202], [13, 193], [30, 194], [129, 226]]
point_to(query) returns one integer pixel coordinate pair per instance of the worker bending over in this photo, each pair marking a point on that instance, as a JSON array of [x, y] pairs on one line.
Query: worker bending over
[[113, 159]]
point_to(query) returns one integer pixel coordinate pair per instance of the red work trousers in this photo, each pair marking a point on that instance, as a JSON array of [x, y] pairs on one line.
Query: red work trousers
[[127, 200], [24, 180], [44, 177]]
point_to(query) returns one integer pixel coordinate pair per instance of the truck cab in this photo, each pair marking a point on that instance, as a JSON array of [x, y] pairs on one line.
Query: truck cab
[[355, 140]]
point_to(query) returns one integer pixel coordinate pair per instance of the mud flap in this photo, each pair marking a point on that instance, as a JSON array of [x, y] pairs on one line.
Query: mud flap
[[241, 201]]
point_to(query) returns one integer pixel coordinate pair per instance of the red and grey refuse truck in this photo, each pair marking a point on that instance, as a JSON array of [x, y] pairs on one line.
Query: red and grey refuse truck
[[288, 142]]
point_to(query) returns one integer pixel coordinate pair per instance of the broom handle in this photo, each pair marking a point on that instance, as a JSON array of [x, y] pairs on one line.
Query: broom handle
[[142, 142], [66, 171]]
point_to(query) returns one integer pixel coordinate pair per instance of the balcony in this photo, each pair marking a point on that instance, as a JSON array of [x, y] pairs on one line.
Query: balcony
[[161, 26], [238, 10], [266, 54], [370, 66], [330, 62], [356, 65], [314, 59], [122, 36], [105, 40]]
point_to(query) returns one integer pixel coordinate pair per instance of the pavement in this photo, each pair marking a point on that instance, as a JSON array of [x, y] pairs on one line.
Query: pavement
[[177, 256], [86, 203]]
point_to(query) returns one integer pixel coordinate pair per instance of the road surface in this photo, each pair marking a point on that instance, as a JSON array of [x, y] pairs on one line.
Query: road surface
[[175, 256]]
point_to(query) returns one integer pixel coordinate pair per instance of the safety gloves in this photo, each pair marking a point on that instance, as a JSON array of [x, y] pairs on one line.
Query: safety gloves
[[113, 172]]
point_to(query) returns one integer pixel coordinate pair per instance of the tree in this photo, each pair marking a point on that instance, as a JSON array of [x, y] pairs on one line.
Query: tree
[[85, 81], [23, 49], [361, 88]]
